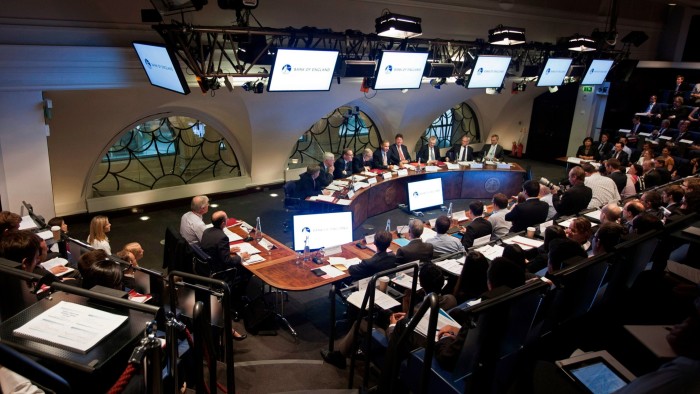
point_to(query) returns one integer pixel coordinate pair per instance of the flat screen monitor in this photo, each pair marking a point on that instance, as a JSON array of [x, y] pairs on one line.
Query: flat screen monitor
[[400, 70], [489, 71], [424, 194], [597, 72], [302, 70], [554, 72], [161, 66], [322, 230]]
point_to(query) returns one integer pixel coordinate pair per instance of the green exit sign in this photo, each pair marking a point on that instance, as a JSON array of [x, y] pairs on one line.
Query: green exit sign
[[588, 89]]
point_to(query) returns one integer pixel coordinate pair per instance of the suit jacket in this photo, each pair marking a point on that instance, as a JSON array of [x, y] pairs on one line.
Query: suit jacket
[[394, 157], [307, 186], [573, 201], [340, 166], [592, 152], [623, 157], [477, 228], [620, 180], [487, 147], [215, 244], [453, 153], [379, 262], [425, 151], [665, 175], [652, 179], [415, 250], [527, 214], [377, 161], [324, 176], [358, 164], [607, 147]]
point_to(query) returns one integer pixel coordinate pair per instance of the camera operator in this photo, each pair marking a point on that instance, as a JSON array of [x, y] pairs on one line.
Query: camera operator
[[575, 198]]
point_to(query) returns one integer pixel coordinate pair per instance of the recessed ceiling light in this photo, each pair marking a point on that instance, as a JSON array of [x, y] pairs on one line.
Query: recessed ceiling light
[[214, 205], [144, 218], [273, 194]]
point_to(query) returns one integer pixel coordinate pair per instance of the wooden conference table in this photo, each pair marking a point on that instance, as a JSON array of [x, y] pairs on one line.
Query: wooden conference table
[[465, 182]]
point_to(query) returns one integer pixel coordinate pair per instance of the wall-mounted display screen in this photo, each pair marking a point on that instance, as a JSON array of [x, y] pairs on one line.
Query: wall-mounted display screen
[[554, 72], [161, 66], [597, 72], [400, 70], [489, 71], [302, 70]]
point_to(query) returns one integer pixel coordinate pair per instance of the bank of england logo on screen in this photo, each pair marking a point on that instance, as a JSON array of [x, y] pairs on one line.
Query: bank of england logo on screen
[[416, 194], [546, 72], [480, 71], [592, 70], [388, 69], [147, 63], [286, 69]]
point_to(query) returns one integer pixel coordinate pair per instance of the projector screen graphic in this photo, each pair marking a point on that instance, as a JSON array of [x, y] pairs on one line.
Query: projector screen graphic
[[554, 72], [161, 67], [489, 72], [597, 72], [322, 230], [400, 70], [301, 70], [424, 194]]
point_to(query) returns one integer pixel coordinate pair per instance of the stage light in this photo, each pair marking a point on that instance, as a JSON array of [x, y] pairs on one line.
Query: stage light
[[502, 35], [553, 89], [254, 86], [398, 26], [580, 43], [169, 7], [437, 82]]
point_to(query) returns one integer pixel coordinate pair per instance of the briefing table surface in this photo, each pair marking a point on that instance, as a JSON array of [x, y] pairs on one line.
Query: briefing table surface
[[387, 194]]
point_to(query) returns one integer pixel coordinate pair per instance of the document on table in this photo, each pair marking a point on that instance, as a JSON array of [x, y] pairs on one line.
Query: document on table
[[340, 183], [380, 299], [358, 178], [334, 187], [253, 259], [342, 201], [405, 280], [595, 215], [443, 320], [71, 326], [57, 262], [325, 198], [27, 223], [401, 241], [45, 235], [267, 245], [427, 234], [342, 263], [452, 266], [459, 216], [491, 251], [525, 243], [246, 248], [566, 222], [369, 174], [331, 272], [232, 237]]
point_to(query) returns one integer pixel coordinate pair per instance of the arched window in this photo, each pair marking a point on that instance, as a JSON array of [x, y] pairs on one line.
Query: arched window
[[345, 127], [449, 127], [164, 152]]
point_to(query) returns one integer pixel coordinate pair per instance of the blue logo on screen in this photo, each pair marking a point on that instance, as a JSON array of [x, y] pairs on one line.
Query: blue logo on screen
[[286, 69], [546, 71], [480, 70], [148, 64], [592, 70], [388, 69]]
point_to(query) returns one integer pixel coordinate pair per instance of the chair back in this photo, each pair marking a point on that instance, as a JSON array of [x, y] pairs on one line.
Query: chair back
[[291, 200], [177, 255], [200, 261]]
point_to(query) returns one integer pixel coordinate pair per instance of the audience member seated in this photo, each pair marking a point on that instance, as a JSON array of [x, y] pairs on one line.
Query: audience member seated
[[461, 151], [624, 141], [24, 247], [104, 273], [547, 196], [619, 154], [691, 184], [603, 189], [603, 147], [416, 249], [663, 131], [691, 202], [669, 163], [645, 223], [530, 212], [502, 276], [677, 111], [9, 221], [58, 221], [610, 213], [516, 254], [398, 153], [574, 199], [444, 243], [309, 183], [380, 158], [191, 224], [563, 253], [608, 235], [364, 162], [381, 261], [500, 226], [652, 203], [633, 136], [633, 185], [651, 176], [327, 169], [430, 154], [647, 153], [99, 227], [472, 281], [493, 150], [478, 226], [612, 169], [580, 232], [345, 166], [631, 210], [538, 262], [652, 109], [672, 196], [587, 151]]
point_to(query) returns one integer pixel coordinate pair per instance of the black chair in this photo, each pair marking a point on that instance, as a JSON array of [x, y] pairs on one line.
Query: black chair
[[177, 255], [291, 200], [201, 265], [33, 371]]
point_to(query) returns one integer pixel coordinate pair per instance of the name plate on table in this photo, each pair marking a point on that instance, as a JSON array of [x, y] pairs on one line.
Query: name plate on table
[[371, 181], [474, 165], [645, 134], [665, 137], [574, 160], [503, 166], [402, 172], [625, 131], [431, 168], [360, 185], [351, 193], [387, 175], [686, 141], [452, 166]]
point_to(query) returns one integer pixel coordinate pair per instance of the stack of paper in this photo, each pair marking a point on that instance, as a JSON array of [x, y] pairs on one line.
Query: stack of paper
[[51, 266], [380, 299], [491, 251], [331, 271], [27, 223], [232, 237], [428, 234], [405, 280], [443, 320], [342, 263], [334, 187], [459, 216], [325, 198], [525, 243], [452, 266]]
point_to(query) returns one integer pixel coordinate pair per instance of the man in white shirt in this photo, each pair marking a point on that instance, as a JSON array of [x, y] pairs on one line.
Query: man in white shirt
[[444, 243], [604, 188], [191, 224], [498, 221]]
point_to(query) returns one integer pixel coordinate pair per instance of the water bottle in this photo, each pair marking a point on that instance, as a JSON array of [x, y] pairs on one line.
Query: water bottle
[[258, 230], [418, 168], [388, 225], [449, 211], [307, 254], [298, 261]]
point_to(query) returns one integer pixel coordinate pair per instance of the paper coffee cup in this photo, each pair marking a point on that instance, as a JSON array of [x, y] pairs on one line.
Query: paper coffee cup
[[56, 230], [530, 232], [383, 283]]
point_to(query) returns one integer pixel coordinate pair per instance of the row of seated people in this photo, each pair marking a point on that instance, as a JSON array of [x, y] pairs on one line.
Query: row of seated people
[[673, 112]]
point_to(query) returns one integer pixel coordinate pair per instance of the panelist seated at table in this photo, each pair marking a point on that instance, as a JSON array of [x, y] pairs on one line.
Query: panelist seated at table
[[461, 151], [443, 243], [587, 151], [382, 259], [493, 150], [398, 153], [327, 168], [416, 249], [430, 154], [530, 212], [478, 226], [345, 166], [364, 162], [309, 183], [380, 158]]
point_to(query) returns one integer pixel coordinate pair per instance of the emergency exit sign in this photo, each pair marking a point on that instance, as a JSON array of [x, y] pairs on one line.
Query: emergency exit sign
[[588, 89]]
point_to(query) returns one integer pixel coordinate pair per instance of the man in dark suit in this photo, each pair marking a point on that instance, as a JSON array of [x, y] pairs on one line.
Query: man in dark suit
[[380, 158], [651, 177], [603, 146], [416, 249], [612, 168], [652, 108], [664, 130], [327, 168], [308, 183], [620, 154], [363, 161], [530, 212], [382, 260], [493, 150], [462, 151], [430, 154], [344, 165], [672, 196], [576, 198], [398, 153], [664, 173], [478, 226]]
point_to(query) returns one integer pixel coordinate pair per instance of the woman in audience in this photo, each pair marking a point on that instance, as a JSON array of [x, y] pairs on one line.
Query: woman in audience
[[647, 154], [472, 281], [9, 221], [587, 151], [579, 231], [58, 221], [670, 164], [88, 259], [21, 247], [564, 253], [633, 183], [99, 227], [105, 273], [539, 261]]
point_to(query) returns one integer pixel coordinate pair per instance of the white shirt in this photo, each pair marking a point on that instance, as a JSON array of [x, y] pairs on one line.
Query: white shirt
[[604, 190], [104, 245], [499, 224], [445, 244], [492, 152], [629, 189], [549, 200], [191, 227]]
